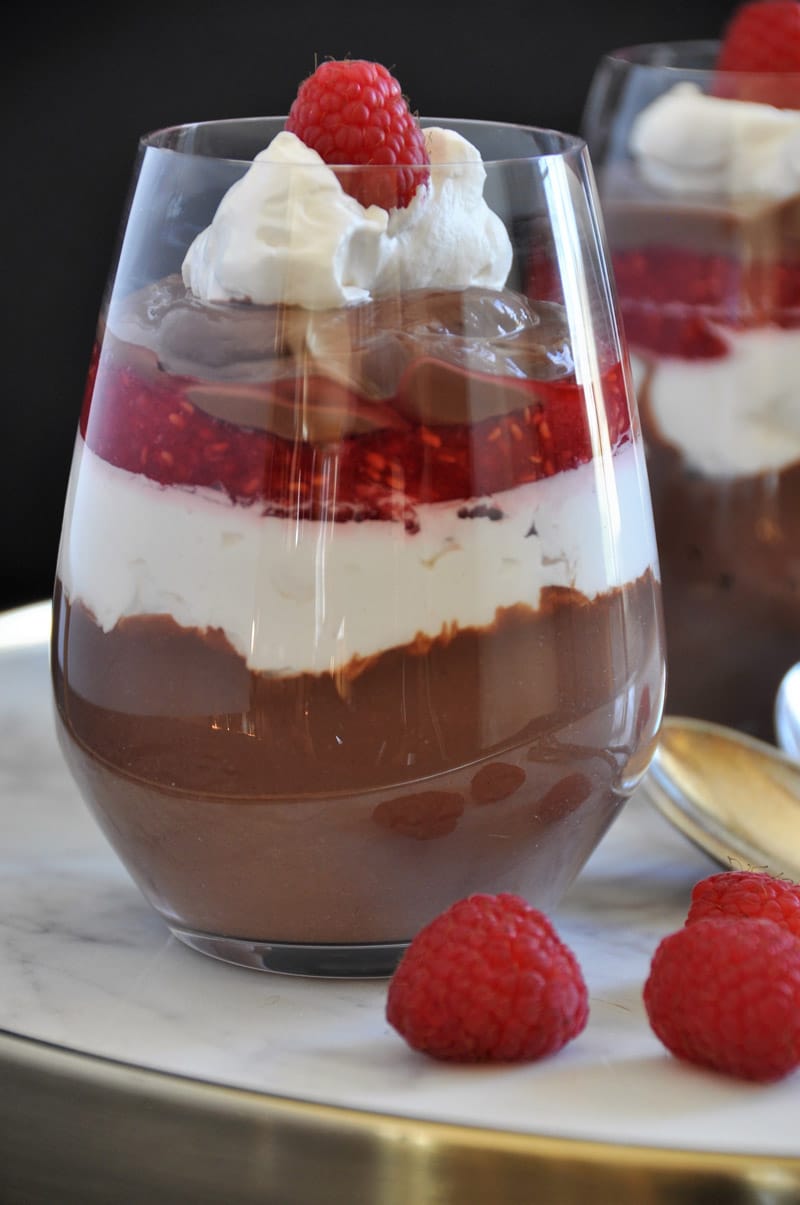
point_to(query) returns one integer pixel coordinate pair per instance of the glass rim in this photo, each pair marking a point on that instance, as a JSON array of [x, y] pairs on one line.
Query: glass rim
[[644, 56], [566, 143]]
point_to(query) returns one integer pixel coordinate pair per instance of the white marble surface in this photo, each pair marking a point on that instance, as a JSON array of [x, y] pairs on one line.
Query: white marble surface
[[86, 964]]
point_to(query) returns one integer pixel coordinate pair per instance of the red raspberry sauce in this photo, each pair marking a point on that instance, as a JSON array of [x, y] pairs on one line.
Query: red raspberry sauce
[[673, 300], [146, 424]]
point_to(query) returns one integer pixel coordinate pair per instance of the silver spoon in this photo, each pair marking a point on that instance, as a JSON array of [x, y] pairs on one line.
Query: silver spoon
[[787, 712], [735, 797]]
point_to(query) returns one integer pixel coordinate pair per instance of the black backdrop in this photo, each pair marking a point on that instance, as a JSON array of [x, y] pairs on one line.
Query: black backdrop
[[81, 81]]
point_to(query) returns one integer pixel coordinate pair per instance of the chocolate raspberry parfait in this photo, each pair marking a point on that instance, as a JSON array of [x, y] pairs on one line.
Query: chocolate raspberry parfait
[[700, 181], [357, 607]]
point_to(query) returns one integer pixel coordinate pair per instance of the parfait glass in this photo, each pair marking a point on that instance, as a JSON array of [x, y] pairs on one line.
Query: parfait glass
[[699, 180], [357, 606]]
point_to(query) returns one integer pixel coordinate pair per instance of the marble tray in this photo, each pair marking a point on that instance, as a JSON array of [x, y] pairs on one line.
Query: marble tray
[[127, 1060]]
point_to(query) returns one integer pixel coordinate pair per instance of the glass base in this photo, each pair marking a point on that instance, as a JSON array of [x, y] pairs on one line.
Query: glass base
[[374, 960]]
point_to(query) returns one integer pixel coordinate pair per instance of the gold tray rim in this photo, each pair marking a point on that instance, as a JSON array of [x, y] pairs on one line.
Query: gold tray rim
[[72, 1107]]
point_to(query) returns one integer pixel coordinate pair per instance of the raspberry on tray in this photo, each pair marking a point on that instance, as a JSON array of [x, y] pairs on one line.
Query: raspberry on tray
[[488, 981], [747, 894], [726, 995]]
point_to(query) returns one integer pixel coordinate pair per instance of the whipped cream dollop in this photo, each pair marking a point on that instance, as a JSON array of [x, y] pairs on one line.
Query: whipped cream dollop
[[335, 591], [688, 142], [288, 232], [737, 415]]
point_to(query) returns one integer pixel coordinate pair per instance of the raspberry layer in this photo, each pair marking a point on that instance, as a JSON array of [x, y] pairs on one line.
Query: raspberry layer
[[430, 396]]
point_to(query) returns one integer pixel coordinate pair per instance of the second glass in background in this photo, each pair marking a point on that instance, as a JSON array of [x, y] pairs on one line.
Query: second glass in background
[[701, 201]]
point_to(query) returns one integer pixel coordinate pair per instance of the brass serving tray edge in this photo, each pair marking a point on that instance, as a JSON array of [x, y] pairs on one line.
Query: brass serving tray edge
[[80, 1128]]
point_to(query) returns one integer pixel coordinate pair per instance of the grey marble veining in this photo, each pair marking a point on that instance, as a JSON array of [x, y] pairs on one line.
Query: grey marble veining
[[85, 963]]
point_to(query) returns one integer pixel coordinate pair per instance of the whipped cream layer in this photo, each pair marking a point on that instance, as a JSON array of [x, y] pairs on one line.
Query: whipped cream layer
[[691, 143], [288, 232], [732, 416], [299, 595]]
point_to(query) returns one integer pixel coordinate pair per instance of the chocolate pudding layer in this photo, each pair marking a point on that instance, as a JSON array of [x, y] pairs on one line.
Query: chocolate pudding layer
[[353, 807]]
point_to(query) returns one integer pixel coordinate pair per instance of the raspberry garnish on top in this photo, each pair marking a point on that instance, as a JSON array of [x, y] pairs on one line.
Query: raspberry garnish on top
[[352, 112], [763, 35], [763, 39]]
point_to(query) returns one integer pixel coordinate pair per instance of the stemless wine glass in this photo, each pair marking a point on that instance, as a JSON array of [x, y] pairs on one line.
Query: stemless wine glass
[[700, 184], [357, 602]]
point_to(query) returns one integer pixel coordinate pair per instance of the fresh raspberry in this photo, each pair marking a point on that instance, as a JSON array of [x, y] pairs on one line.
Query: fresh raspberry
[[488, 980], [763, 37], [725, 994], [747, 894], [147, 423], [353, 112]]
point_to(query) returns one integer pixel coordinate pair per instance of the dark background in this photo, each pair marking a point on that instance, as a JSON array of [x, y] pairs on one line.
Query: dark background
[[81, 82]]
